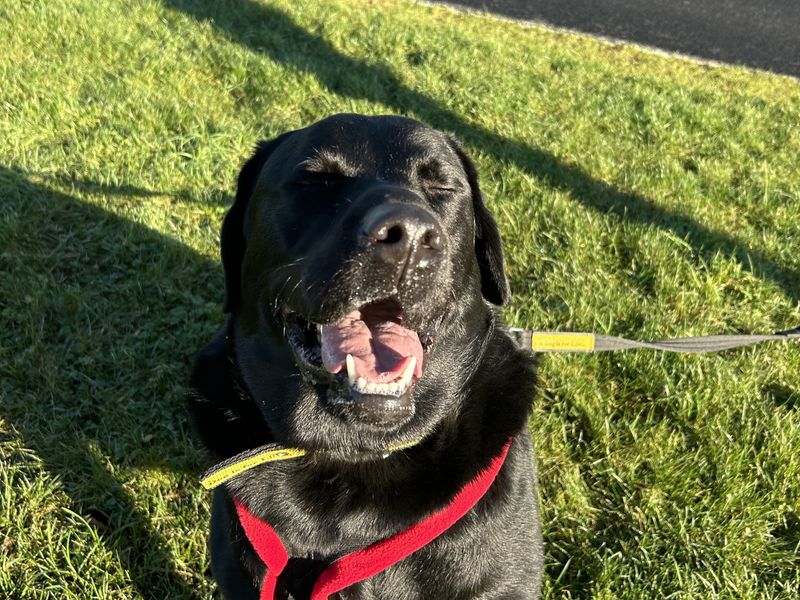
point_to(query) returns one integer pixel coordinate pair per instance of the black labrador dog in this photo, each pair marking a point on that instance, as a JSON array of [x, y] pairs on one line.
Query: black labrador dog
[[361, 269]]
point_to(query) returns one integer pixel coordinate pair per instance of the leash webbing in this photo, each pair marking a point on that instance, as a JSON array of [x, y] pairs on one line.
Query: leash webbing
[[556, 341]]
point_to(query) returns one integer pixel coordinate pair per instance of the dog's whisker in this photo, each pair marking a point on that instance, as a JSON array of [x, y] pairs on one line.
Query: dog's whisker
[[294, 263], [294, 289], [279, 296]]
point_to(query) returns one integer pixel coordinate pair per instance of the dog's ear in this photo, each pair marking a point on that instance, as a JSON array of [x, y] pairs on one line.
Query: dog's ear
[[233, 237], [488, 246]]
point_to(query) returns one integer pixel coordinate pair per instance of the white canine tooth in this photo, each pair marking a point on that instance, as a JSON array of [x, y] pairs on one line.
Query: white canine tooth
[[352, 374], [405, 378], [404, 381]]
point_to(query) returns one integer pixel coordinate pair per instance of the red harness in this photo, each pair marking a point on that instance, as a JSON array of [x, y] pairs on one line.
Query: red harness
[[363, 564]]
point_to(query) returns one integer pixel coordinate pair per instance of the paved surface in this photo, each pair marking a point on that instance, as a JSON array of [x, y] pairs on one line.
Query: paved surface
[[757, 33]]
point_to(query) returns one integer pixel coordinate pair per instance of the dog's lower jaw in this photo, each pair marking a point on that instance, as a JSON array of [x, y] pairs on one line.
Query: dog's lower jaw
[[369, 421]]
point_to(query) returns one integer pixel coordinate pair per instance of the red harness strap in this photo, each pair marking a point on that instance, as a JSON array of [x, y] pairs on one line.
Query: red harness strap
[[363, 564]]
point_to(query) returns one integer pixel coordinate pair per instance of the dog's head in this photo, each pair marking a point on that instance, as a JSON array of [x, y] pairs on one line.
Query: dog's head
[[359, 262]]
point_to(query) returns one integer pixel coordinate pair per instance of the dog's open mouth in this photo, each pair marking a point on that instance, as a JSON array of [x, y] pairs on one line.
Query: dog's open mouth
[[368, 349]]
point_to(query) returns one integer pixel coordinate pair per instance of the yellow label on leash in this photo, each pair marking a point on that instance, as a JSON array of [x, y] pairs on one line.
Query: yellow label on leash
[[562, 342]]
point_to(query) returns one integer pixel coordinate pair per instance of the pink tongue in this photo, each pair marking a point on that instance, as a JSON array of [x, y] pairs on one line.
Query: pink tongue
[[380, 353]]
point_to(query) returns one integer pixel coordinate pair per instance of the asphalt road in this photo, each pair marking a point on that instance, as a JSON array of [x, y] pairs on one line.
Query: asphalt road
[[758, 33]]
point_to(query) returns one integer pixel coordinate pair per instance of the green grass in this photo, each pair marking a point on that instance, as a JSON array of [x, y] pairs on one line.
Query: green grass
[[638, 195]]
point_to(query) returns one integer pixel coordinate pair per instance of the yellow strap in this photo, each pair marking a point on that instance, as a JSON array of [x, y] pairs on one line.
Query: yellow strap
[[555, 342], [236, 465], [228, 470]]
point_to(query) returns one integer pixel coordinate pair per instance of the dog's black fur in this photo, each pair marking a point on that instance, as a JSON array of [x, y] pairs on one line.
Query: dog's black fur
[[293, 241]]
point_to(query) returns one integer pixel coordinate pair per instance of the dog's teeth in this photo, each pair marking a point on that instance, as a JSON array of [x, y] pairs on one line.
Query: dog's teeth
[[408, 373], [352, 374], [397, 387]]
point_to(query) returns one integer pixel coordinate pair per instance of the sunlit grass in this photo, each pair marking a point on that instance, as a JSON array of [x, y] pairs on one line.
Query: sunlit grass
[[637, 195]]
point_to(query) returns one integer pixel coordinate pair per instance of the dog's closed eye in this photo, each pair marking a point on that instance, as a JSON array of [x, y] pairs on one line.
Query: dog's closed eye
[[318, 179], [436, 179], [442, 189]]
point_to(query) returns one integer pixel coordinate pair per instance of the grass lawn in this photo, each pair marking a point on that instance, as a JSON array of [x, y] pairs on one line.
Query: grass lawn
[[638, 195]]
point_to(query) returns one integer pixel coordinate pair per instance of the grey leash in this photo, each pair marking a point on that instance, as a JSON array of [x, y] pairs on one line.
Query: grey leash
[[552, 341]]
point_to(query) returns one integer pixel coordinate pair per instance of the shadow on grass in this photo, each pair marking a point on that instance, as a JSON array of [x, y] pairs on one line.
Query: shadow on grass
[[217, 197], [266, 30], [106, 316]]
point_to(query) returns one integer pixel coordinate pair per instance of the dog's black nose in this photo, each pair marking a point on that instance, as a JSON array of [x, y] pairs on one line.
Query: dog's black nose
[[402, 234]]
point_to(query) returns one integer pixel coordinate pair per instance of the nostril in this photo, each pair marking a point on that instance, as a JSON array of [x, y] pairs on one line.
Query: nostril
[[392, 235], [431, 240], [401, 234]]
